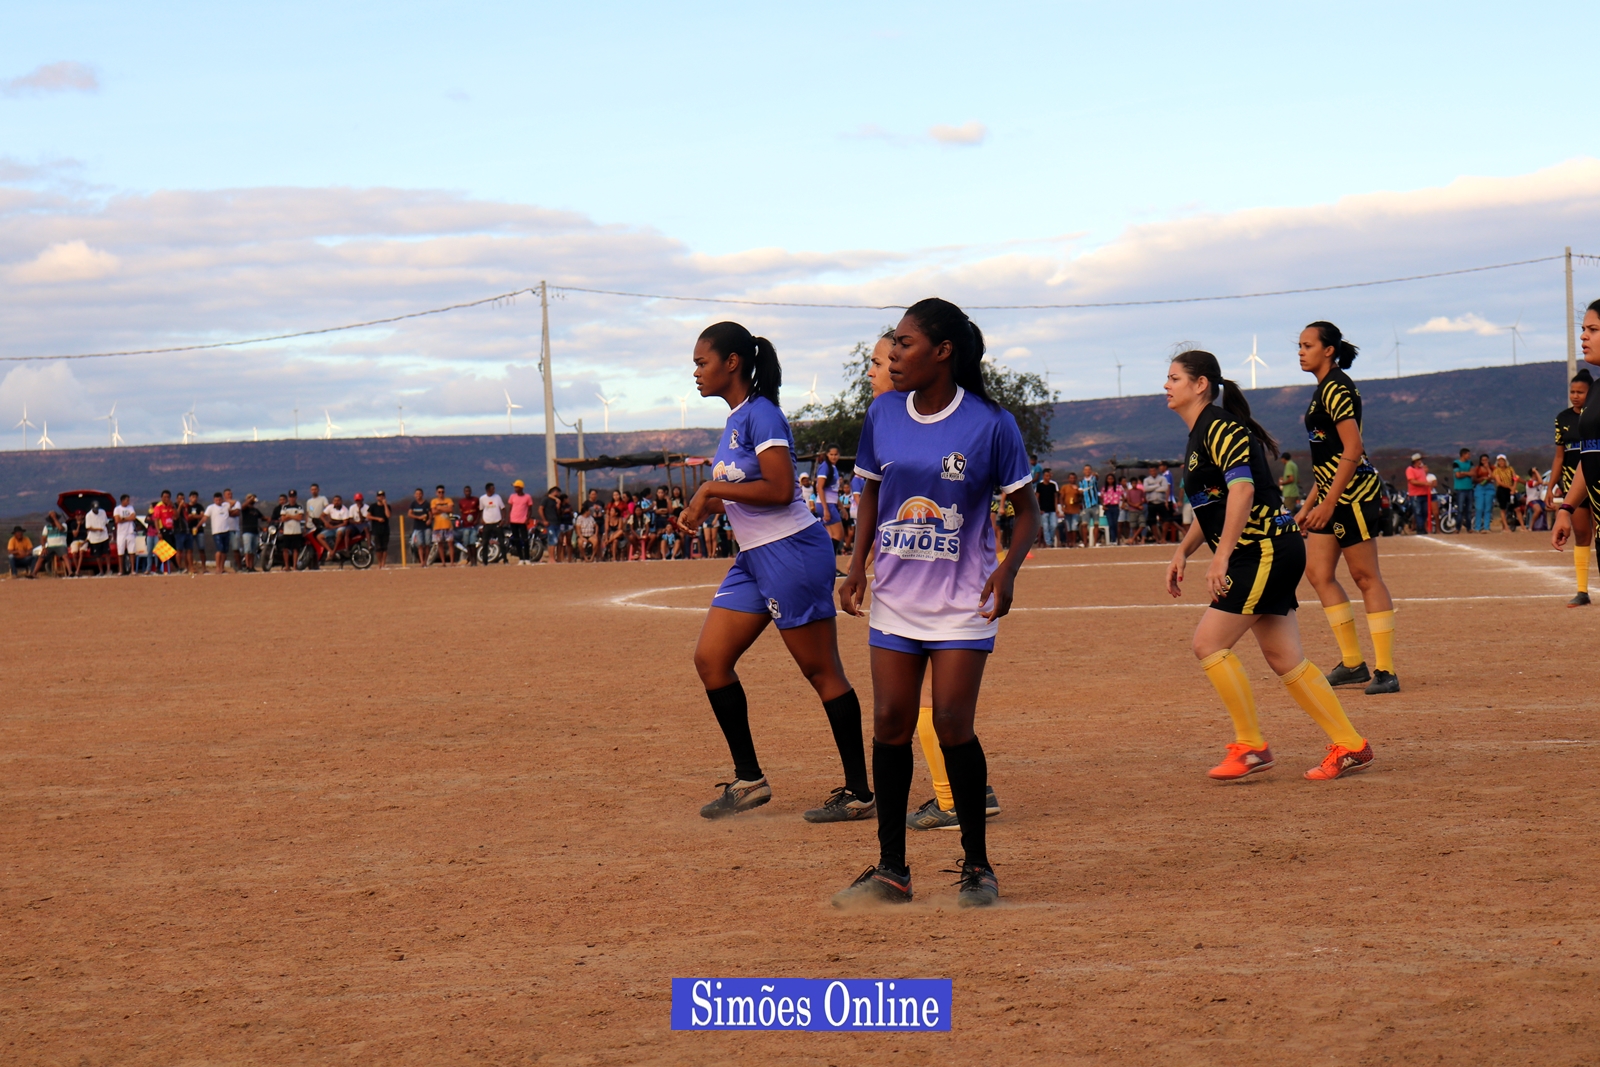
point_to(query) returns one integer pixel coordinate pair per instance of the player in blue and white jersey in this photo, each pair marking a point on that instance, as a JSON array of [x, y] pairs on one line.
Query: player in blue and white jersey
[[932, 453], [783, 574], [826, 482]]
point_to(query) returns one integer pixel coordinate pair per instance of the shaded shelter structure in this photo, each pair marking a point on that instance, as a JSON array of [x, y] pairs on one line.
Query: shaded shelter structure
[[683, 470]]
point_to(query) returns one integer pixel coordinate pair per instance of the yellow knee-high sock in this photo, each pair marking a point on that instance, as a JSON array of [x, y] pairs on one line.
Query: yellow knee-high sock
[[1227, 676], [1580, 563], [935, 755], [1342, 617], [1313, 693], [1381, 625]]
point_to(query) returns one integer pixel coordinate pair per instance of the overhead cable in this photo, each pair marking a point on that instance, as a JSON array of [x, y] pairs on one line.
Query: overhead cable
[[1088, 305]]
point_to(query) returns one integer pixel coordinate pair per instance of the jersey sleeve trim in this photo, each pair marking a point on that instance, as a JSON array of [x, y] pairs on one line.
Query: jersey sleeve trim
[[1014, 486], [773, 443], [869, 475], [1238, 474]]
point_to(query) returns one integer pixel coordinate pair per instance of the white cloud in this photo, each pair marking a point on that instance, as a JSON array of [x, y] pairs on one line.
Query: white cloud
[[968, 133], [1468, 323], [70, 261], [186, 267], [66, 76]]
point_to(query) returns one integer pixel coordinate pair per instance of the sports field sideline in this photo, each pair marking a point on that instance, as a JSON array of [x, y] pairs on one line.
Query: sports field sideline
[[414, 817]]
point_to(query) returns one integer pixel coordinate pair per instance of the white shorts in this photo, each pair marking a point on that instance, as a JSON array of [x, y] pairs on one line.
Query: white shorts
[[126, 539]]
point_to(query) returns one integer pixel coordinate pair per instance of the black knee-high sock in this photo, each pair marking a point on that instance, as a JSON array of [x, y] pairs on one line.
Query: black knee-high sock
[[844, 717], [891, 769], [969, 777], [733, 715]]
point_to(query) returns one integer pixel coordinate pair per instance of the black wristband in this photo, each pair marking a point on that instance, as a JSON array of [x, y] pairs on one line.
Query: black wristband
[[1568, 508]]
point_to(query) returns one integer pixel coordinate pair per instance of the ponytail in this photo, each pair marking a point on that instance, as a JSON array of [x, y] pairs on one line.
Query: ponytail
[[942, 321], [1344, 353], [1583, 374], [758, 366], [1197, 364]]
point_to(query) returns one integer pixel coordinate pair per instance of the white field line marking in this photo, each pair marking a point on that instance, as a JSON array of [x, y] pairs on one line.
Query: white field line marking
[[631, 600], [628, 600], [1548, 572]]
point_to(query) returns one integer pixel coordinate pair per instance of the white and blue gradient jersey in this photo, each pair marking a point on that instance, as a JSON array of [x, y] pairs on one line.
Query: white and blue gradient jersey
[[753, 427], [827, 482], [936, 475]]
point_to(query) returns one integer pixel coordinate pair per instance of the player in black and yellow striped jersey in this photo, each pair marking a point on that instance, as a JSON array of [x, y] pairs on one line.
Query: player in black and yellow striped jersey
[[1586, 480], [1256, 562], [1341, 512], [1569, 450]]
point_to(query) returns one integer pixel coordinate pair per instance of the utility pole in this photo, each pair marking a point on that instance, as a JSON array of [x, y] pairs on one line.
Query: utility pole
[[549, 387], [1119, 376], [1572, 340], [583, 482]]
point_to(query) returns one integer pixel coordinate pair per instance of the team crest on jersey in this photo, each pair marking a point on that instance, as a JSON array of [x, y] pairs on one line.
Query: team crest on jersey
[[726, 472], [772, 608], [1338, 529], [1194, 460], [1227, 581], [922, 529], [733, 439], [953, 468]]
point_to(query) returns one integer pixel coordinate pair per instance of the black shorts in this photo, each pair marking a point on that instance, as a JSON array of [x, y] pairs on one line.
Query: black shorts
[[380, 534], [1352, 523], [291, 542], [1263, 576]]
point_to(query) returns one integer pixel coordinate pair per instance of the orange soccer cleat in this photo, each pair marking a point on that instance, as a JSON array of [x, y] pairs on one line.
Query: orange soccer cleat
[[1341, 761], [1242, 760]]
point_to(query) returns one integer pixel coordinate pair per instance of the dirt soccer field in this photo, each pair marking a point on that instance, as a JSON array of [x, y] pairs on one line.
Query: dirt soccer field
[[450, 817]]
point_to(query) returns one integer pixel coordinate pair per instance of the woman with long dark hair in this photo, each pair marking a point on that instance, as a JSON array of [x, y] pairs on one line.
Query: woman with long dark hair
[[932, 454], [784, 573], [1257, 558], [1569, 453], [1341, 512]]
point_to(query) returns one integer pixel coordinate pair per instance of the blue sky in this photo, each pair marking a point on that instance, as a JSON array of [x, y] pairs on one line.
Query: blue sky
[[996, 153]]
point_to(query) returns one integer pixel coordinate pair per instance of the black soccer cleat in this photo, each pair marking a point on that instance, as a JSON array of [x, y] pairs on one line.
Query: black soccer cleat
[[1383, 682], [875, 885], [1342, 675], [979, 887], [843, 805], [738, 796], [1579, 601]]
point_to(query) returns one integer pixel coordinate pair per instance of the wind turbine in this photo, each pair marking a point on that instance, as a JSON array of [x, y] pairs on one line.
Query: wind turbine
[[509, 407], [812, 397], [683, 412], [111, 423], [401, 408], [1396, 351], [327, 431], [606, 402], [44, 436], [25, 425], [1516, 335], [1119, 376], [116, 434], [1254, 361], [191, 425]]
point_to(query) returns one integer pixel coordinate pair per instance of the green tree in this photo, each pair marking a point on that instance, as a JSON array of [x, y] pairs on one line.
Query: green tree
[[837, 421]]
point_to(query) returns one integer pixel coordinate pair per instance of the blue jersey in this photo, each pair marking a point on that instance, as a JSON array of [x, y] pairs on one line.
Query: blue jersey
[[827, 482], [753, 427], [936, 475]]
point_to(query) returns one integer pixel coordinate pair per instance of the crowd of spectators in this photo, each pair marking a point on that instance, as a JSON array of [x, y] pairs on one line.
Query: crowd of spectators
[[1121, 506], [1478, 495]]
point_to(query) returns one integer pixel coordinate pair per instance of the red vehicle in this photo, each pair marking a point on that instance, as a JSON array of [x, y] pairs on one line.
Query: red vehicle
[[73, 501]]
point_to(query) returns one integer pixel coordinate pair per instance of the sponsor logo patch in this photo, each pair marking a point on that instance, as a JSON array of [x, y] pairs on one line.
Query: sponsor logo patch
[[726, 472], [924, 530]]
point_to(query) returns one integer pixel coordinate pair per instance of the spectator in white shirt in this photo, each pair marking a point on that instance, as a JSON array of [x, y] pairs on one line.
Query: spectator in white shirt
[[220, 516], [97, 525], [125, 515], [335, 532], [492, 509], [316, 503]]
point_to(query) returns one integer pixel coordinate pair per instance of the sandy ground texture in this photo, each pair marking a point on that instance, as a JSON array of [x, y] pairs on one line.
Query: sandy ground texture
[[450, 817]]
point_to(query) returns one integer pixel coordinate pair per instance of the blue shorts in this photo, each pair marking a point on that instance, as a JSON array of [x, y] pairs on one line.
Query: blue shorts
[[183, 541], [831, 516], [220, 541], [790, 579], [915, 647]]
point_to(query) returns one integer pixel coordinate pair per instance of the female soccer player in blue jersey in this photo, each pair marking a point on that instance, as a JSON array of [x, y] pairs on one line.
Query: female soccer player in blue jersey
[[1257, 558], [783, 574], [932, 454], [1341, 512]]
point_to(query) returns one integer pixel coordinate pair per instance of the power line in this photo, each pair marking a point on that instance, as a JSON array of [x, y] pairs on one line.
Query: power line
[[1587, 259]]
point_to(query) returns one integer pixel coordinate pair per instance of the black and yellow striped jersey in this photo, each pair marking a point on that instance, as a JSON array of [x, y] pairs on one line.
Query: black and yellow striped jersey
[[1567, 438], [1221, 451], [1337, 400]]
